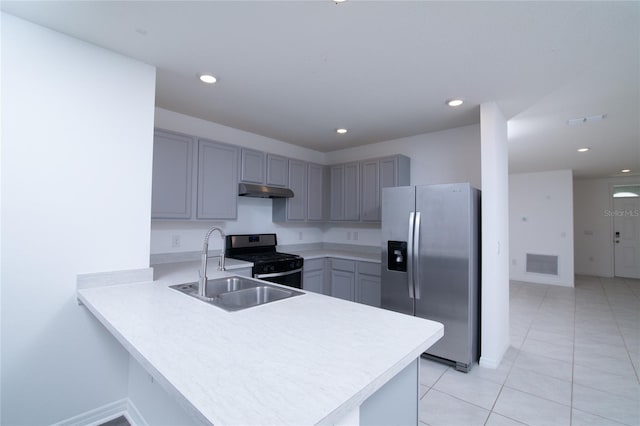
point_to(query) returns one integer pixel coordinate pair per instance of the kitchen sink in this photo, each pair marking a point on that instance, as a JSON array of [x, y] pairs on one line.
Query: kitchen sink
[[236, 293]]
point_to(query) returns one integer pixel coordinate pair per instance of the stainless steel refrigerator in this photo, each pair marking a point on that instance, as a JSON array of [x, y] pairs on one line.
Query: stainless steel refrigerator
[[430, 263]]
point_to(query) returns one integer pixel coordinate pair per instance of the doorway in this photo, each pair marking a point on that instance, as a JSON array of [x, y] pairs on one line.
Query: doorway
[[626, 231]]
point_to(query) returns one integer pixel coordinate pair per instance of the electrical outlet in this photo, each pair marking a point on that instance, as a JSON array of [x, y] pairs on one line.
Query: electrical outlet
[[300, 235], [348, 235], [355, 235], [175, 241]]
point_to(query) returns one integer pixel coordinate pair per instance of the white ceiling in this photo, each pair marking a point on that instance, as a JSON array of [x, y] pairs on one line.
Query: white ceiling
[[297, 70]]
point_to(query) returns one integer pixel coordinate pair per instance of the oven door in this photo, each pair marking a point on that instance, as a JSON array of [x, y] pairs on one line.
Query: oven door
[[291, 278]]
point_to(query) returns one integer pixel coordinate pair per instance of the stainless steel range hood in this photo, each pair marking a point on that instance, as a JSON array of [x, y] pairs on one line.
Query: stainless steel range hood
[[263, 191]]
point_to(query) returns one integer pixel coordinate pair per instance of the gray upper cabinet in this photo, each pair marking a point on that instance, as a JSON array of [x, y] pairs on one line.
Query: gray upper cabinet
[[315, 192], [370, 193], [193, 178], [344, 189], [352, 191], [297, 206], [336, 192], [217, 180], [252, 166], [277, 170], [260, 168], [173, 159], [306, 180], [377, 174], [395, 171]]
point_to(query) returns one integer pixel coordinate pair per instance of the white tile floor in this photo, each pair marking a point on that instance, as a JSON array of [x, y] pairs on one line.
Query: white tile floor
[[574, 360]]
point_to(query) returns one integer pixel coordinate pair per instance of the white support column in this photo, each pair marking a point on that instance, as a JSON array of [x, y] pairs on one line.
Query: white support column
[[495, 235]]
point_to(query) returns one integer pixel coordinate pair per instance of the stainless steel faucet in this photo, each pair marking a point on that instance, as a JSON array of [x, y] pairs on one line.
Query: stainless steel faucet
[[202, 281]]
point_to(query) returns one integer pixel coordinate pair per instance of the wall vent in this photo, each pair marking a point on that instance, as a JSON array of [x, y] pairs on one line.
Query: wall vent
[[542, 264]]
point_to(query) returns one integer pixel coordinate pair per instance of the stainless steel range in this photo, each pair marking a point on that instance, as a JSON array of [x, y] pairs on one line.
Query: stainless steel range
[[268, 264]]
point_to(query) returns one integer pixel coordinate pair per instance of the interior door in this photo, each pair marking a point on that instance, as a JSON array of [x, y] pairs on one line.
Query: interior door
[[626, 232]]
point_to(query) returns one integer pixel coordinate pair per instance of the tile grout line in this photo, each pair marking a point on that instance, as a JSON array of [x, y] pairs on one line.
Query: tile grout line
[[615, 318], [513, 364], [573, 354]]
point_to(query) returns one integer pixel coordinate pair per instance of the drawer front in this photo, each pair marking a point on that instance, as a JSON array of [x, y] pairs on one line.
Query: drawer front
[[343, 265], [314, 264], [369, 268]]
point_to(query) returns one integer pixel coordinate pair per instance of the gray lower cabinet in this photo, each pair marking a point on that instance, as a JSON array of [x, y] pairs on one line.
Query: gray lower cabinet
[[313, 276], [343, 279], [217, 181], [173, 165], [368, 285], [355, 281]]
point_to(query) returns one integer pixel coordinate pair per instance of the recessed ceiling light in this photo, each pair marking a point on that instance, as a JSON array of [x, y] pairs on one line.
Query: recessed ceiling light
[[455, 102], [341, 131], [583, 149], [207, 78], [625, 170]]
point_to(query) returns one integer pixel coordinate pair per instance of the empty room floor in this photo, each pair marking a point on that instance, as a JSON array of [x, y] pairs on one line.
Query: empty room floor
[[574, 359]]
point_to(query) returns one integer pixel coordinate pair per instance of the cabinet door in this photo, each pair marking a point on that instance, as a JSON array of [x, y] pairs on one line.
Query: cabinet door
[[277, 170], [336, 195], [297, 205], [351, 191], [252, 166], [343, 285], [368, 290], [370, 193], [313, 281], [315, 192], [217, 180], [172, 176], [395, 171]]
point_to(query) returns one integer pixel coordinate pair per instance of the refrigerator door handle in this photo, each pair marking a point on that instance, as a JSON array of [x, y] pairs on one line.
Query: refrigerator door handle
[[412, 216], [416, 244]]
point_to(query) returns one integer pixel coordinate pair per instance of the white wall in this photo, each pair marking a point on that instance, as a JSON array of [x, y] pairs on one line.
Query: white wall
[[441, 157], [593, 229], [495, 236], [541, 222], [254, 216], [77, 132], [177, 122]]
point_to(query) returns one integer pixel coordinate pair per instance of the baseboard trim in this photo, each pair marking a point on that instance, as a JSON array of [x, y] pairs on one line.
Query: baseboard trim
[[493, 362], [97, 416]]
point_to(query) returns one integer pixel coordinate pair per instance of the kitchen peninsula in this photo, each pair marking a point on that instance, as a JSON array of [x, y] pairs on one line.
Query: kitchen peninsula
[[305, 360]]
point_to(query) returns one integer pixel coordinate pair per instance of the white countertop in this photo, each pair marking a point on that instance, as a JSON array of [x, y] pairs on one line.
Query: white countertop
[[341, 254], [306, 360]]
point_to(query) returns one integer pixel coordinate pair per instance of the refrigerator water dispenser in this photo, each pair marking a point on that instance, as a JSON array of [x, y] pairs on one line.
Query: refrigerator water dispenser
[[397, 251]]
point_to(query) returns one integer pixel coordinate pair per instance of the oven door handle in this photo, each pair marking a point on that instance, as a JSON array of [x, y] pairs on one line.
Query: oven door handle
[[277, 274]]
